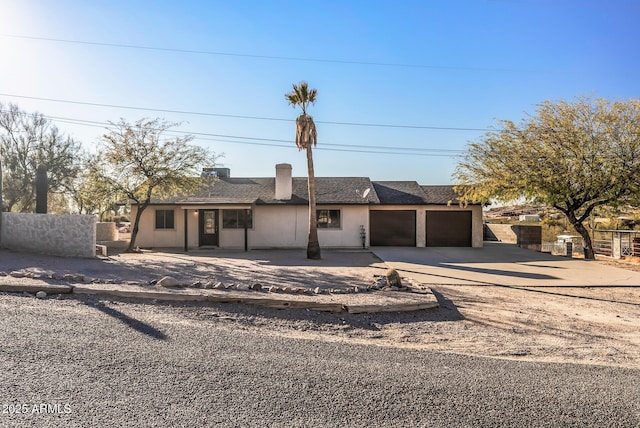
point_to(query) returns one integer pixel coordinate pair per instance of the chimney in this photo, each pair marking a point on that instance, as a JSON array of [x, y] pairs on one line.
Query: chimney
[[283, 182]]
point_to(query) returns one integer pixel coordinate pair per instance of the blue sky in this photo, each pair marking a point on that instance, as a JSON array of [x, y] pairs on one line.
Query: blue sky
[[415, 65]]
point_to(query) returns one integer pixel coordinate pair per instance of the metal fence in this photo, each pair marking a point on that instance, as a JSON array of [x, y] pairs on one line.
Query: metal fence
[[616, 243], [562, 249], [611, 243]]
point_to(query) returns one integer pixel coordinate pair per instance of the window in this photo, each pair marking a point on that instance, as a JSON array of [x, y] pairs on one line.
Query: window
[[164, 219], [234, 219], [328, 219]]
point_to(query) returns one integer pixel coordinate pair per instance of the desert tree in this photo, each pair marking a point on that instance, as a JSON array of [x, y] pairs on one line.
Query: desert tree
[[306, 137], [574, 156], [28, 141], [90, 193], [139, 163]]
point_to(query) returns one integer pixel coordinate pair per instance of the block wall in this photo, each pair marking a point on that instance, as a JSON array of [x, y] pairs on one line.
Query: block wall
[[58, 235]]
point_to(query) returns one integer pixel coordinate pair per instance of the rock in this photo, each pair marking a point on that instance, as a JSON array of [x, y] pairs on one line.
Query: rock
[[167, 281], [256, 287], [41, 295], [356, 289], [218, 285], [19, 274], [3, 273], [274, 289], [317, 290], [393, 278], [287, 289], [242, 287], [196, 284]]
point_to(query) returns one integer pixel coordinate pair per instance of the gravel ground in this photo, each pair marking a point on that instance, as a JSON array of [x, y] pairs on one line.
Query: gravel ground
[[337, 269], [586, 325], [125, 363]]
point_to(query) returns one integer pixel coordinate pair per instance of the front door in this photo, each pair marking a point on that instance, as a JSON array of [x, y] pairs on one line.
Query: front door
[[208, 227]]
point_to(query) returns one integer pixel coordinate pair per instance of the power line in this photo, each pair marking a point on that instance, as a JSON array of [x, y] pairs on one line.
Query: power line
[[273, 57], [196, 113], [269, 142]]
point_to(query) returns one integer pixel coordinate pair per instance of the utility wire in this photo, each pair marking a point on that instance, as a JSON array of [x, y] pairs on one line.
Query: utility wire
[[196, 113], [274, 57], [269, 142]]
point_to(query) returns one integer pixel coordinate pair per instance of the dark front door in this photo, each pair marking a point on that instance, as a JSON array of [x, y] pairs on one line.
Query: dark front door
[[208, 227]]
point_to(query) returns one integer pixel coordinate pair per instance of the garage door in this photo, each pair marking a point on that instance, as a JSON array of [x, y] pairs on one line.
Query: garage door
[[393, 228], [448, 228]]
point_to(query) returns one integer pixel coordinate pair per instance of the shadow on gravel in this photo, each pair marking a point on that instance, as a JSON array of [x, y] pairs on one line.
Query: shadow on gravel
[[310, 320], [127, 320]]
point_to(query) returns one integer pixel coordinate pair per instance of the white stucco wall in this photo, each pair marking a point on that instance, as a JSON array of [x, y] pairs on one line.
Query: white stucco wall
[[150, 237], [286, 226]]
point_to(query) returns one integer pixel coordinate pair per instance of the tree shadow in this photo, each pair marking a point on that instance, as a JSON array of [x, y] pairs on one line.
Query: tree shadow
[[133, 323]]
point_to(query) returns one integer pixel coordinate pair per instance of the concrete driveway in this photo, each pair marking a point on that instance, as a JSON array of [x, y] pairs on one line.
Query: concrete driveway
[[501, 264]]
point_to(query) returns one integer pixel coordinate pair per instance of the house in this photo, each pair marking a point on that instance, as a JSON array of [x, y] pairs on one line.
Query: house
[[352, 212]]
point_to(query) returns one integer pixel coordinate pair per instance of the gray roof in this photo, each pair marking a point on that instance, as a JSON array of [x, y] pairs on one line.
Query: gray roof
[[261, 191], [440, 195], [399, 192], [329, 190]]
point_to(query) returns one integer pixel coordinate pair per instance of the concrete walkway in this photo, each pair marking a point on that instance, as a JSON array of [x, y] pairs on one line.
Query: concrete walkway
[[501, 264]]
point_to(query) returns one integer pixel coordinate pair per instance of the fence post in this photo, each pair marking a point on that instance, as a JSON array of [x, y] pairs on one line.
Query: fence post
[[616, 245]]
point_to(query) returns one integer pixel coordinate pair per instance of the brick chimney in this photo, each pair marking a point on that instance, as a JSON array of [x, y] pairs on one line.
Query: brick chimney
[[283, 182]]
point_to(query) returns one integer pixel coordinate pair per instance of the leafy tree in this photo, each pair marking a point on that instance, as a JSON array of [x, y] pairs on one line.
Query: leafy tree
[[574, 156], [90, 193], [27, 141], [139, 163], [306, 136]]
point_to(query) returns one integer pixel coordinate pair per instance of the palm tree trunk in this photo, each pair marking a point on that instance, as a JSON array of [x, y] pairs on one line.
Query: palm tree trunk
[[313, 246]]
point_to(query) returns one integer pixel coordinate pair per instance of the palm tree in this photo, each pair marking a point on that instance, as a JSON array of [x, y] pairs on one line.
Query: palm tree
[[306, 135]]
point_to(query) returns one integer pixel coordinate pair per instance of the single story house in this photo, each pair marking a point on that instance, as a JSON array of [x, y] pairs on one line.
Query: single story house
[[352, 212]]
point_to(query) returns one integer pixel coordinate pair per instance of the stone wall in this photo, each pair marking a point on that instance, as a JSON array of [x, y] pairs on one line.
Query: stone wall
[[501, 232], [524, 236], [106, 231], [58, 235], [529, 237]]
